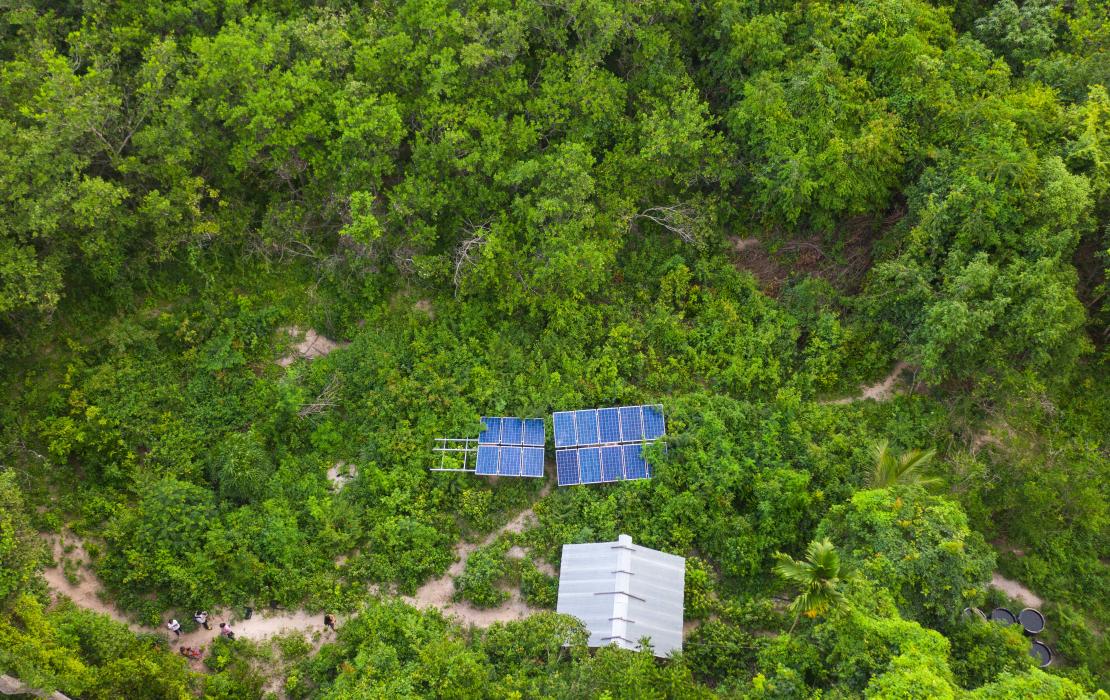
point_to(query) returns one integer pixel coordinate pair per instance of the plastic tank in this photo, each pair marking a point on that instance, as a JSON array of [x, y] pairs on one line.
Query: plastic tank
[[1003, 616], [1032, 620]]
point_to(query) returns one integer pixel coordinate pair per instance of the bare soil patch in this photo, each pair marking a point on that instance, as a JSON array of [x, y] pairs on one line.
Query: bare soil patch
[[1016, 590], [311, 346], [342, 474]]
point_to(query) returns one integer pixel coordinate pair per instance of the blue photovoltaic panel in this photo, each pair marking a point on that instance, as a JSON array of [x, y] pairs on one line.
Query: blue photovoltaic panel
[[512, 431], [589, 460], [611, 464], [533, 462], [509, 465], [487, 460], [586, 422], [608, 425], [533, 432], [564, 429], [566, 464], [654, 426], [491, 431], [634, 465], [632, 427]]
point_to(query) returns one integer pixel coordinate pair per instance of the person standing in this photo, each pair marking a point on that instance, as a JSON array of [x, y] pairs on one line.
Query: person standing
[[329, 621], [225, 630], [174, 627], [201, 616]]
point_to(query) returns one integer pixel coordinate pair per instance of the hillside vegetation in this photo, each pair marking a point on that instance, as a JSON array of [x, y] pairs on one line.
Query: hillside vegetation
[[747, 211]]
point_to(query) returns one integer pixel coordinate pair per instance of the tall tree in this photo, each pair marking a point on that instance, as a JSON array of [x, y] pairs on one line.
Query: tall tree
[[816, 576]]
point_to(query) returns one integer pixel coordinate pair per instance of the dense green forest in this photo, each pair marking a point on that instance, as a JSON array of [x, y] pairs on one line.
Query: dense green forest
[[744, 210]]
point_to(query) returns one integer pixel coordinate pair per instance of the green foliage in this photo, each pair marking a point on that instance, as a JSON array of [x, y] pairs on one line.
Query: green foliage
[[982, 652], [486, 570], [540, 590], [901, 469], [19, 548], [514, 208], [916, 545]]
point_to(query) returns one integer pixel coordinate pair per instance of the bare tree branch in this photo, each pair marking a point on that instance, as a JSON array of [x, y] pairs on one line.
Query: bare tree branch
[[467, 252], [681, 219]]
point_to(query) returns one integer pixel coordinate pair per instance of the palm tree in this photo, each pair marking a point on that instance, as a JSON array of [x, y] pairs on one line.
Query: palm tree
[[816, 576], [901, 469]]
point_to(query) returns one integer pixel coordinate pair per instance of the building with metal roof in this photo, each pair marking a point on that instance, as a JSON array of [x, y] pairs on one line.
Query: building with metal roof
[[624, 592]]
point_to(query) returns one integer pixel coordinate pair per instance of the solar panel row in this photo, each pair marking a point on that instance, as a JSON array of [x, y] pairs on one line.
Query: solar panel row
[[605, 426], [595, 465], [509, 461], [511, 431]]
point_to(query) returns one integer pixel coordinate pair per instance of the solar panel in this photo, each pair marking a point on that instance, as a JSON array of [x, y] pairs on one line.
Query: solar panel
[[509, 464], [512, 431], [487, 460], [533, 462], [533, 432], [566, 464], [563, 424], [632, 424], [586, 423], [612, 464], [589, 461], [491, 431], [606, 444], [609, 427], [635, 467], [654, 425]]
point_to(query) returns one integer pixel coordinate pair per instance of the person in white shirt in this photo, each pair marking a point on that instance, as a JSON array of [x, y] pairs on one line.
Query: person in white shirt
[[175, 627], [201, 616]]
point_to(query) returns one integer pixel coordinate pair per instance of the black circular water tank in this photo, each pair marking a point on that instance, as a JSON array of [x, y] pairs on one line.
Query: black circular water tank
[[973, 615], [1032, 620], [1004, 616], [1040, 651]]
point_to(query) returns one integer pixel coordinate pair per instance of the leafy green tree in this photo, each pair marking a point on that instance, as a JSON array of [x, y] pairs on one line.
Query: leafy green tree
[[20, 549], [817, 577], [916, 545], [1022, 33]]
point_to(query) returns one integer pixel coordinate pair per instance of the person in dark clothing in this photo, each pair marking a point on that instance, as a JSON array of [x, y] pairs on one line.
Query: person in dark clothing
[[329, 621]]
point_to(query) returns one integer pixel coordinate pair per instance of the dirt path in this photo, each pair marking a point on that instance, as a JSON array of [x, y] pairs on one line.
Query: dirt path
[[438, 592], [1016, 590], [87, 592], [883, 390]]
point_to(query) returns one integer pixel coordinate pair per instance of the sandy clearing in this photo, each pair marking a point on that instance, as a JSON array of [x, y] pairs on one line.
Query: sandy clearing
[[883, 390], [312, 346], [1016, 590]]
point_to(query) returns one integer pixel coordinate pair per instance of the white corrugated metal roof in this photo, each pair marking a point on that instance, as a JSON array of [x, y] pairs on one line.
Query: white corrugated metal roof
[[623, 592]]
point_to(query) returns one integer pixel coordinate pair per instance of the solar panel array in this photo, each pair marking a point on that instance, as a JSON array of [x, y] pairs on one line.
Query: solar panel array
[[510, 447], [605, 444]]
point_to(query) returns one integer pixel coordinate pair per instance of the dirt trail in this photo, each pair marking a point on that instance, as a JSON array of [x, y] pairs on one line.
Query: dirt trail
[[438, 592], [883, 390], [1016, 590], [87, 594]]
